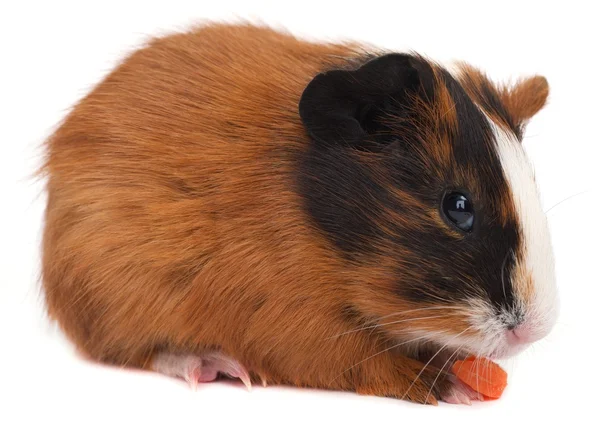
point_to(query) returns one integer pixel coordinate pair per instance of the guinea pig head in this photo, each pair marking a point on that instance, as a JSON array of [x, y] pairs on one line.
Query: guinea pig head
[[417, 178]]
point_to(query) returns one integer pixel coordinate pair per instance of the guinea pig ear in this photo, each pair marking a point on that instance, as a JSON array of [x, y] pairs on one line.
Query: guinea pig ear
[[344, 107], [526, 98]]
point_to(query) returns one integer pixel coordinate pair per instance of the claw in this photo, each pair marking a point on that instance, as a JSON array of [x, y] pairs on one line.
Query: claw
[[240, 373], [246, 380], [193, 378]]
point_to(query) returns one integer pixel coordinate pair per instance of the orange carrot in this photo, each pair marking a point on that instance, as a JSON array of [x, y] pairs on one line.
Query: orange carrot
[[483, 375]]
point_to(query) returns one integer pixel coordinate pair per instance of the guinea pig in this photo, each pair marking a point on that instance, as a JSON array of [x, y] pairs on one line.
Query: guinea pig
[[235, 201]]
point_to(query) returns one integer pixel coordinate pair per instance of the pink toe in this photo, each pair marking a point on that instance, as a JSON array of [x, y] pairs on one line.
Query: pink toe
[[459, 393], [207, 375], [452, 399]]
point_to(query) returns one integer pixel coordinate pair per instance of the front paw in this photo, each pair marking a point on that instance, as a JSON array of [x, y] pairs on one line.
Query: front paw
[[459, 393], [430, 386], [415, 383]]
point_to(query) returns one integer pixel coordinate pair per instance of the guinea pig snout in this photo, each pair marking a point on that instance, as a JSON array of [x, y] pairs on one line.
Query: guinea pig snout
[[519, 330], [520, 335]]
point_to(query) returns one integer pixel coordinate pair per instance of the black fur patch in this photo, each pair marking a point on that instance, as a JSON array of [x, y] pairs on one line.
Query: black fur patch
[[342, 198], [475, 147], [344, 112], [455, 269], [346, 108], [347, 113]]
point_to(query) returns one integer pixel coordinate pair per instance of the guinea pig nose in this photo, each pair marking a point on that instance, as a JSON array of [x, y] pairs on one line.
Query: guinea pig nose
[[519, 335]]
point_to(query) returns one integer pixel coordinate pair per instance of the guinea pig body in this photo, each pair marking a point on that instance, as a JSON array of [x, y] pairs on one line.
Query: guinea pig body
[[235, 200]]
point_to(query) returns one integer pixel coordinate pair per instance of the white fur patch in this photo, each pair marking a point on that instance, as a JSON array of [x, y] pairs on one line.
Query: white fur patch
[[535, 258], [532, 278]]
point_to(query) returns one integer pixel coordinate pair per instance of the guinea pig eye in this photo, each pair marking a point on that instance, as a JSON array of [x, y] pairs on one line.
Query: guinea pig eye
[[459, 210]]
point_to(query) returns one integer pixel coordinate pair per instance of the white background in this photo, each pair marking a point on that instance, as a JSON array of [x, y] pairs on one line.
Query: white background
[[52, 52]]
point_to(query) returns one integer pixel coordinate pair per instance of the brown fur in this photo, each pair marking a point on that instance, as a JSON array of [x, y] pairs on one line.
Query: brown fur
[[520, 101], [526, 98], [206, 246]]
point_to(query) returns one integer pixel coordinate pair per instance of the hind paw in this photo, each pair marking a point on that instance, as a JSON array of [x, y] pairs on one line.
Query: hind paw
[[200, 369]]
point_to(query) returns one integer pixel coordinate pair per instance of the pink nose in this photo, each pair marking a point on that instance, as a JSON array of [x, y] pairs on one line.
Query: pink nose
[[520, 335]]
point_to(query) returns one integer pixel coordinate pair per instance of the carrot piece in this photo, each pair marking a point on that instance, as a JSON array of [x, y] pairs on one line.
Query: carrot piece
[[483, 375]]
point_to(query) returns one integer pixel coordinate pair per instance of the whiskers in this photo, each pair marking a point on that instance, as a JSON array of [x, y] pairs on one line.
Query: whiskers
[[456, 336], [450, 360], [381, 352], [375, 326], [427, 337], [568, 198]]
